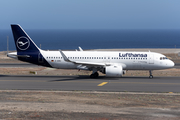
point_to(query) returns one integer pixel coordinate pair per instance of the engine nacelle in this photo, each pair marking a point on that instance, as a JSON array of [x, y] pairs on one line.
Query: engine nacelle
[[114, 71]]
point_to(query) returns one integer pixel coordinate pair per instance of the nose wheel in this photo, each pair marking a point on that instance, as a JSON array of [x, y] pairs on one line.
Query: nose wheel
[[150, 74]]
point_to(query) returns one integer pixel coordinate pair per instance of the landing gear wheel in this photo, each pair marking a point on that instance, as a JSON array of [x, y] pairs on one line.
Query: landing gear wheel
[[94, 75], [151, 76]]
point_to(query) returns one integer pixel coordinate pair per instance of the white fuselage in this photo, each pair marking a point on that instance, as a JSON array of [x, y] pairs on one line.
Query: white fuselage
[[128, 60]]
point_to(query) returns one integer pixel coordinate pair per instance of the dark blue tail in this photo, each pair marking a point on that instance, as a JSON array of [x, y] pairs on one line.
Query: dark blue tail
[[27, 50], [23, 42]]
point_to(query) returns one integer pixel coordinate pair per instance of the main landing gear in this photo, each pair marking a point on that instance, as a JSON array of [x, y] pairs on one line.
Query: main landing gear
[[94, 75], [150, 74]]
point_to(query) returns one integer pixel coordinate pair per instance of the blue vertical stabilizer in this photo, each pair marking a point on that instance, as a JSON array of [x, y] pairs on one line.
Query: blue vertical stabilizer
[[27, 50]]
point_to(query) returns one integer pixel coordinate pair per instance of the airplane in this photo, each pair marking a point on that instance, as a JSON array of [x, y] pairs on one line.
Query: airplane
[[111, 63]]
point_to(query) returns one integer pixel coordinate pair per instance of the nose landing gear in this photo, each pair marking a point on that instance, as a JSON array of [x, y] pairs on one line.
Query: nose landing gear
[[150, 74]]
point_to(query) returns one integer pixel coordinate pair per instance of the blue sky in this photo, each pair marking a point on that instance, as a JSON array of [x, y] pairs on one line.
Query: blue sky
[[90, 14]]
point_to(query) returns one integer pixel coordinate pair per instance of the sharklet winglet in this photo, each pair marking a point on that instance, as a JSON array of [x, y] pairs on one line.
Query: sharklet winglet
[[64, 56], [80, 49]]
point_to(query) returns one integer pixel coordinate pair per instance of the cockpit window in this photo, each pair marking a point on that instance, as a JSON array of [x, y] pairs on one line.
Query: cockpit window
[[163, 58]]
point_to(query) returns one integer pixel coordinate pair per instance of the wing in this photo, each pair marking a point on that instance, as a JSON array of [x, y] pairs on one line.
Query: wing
[[87, 64]]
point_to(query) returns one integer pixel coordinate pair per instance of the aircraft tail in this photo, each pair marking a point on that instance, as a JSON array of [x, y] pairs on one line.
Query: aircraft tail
[[23, 42], [27, 50]]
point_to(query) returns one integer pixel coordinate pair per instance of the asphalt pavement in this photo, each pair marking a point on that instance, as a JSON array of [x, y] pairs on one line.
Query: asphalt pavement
[[84, 83]]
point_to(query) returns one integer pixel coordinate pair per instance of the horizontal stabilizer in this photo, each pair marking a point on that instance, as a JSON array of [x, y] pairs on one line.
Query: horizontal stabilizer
[[15, 55]]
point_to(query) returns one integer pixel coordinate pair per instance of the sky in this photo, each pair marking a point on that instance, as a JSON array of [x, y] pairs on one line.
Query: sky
[[90, 14]]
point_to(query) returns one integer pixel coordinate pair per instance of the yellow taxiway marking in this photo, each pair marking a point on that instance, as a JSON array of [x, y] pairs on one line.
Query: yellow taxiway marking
[[103, 83]]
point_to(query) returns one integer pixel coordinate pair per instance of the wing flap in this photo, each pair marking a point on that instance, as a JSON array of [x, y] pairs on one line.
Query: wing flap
[[90, 63]]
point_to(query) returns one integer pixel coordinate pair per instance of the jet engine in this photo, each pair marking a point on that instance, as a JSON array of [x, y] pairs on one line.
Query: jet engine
[[114, 71]]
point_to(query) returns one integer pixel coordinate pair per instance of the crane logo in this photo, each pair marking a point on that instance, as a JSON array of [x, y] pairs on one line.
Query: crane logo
[[23, 43]]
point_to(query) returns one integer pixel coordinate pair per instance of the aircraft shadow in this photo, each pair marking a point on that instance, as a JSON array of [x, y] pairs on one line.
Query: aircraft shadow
[[79, 77], [100, 78]]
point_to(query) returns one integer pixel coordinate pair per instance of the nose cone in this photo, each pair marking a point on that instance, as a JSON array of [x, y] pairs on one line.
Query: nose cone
[[170, 64]]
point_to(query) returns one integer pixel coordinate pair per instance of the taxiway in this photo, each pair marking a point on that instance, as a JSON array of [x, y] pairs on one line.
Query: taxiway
[[84, 83]]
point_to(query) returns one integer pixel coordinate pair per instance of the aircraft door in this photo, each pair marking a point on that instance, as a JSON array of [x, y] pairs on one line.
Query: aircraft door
[[40, 58], [151, 59]]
